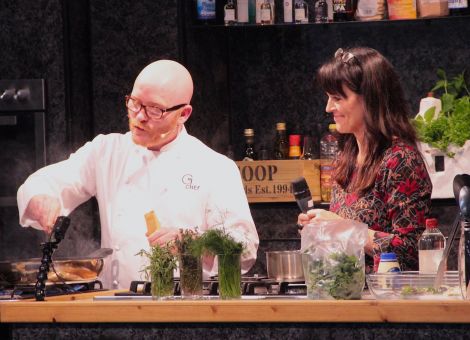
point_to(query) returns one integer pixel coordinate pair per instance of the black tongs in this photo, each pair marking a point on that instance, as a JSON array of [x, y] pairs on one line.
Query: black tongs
[[461, 187]]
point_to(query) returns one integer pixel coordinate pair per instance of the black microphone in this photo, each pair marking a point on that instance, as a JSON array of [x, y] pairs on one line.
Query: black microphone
[[461, 186], [302, 194]]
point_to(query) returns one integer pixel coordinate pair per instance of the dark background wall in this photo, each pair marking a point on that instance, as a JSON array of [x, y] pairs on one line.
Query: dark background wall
[[89, 52]]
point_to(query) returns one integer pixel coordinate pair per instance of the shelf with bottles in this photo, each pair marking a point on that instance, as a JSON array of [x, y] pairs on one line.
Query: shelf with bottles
[[226, 14], [404, 22]]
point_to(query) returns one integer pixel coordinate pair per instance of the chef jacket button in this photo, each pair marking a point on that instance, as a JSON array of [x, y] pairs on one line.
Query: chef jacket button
[[116, 248]]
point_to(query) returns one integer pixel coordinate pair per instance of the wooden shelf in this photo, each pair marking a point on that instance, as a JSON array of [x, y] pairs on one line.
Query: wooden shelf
[[270, 310]]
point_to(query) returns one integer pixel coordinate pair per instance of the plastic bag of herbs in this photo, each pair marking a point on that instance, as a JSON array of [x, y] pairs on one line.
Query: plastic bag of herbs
[[449, 129], [333, 259]]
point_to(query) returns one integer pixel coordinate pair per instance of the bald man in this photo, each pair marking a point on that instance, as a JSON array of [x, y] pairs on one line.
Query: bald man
[[156, 166]]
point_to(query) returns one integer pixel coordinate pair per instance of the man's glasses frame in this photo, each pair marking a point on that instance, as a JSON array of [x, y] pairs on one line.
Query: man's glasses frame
[[152, 112]]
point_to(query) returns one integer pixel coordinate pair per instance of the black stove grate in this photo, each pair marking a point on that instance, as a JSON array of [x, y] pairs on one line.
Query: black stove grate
[[27, 291]]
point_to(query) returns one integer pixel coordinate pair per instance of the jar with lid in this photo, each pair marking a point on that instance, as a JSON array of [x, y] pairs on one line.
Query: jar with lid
[[388, 263]]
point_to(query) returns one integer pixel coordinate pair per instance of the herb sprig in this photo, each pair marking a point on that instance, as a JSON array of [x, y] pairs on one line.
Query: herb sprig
[[160, 268]]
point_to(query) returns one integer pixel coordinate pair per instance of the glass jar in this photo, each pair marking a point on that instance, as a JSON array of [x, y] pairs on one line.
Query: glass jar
[[229, 276], [162, 284], [190, 275]]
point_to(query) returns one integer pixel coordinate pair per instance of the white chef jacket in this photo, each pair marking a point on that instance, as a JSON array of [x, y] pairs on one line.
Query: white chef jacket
[[186, 183]]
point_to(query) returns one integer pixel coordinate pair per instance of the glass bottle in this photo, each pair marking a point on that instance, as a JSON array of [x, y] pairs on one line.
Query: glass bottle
[[206, 11], [249, 154], [281, 146], [288, 5], [242, 12], [263, 153], [328, 152], [307, 150], [321, 11], [301, 11], [294, 146], [230, 14], [431, 246], [458, 7], [343, 10], [266, 13]]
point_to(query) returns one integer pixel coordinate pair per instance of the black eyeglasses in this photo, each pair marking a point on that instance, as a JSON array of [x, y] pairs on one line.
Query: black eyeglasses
[[345, 57], [153, 112]]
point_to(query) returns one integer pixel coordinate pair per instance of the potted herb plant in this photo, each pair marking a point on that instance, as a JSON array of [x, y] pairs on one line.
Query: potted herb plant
[[450, 127], [218, 242], [159, 271], [190, 263], [445, 135]]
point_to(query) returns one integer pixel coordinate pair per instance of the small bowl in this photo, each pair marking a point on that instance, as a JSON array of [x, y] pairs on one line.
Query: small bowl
[[414, 286]]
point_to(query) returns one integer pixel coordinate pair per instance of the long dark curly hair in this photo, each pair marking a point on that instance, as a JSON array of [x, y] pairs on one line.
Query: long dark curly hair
[[369, 74]]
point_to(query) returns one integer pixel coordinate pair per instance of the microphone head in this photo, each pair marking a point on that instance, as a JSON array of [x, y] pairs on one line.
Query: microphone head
[[459, 182], [300, 187], [461, 186]]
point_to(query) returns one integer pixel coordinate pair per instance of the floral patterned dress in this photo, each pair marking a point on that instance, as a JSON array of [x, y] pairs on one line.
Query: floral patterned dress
[[396, 207]]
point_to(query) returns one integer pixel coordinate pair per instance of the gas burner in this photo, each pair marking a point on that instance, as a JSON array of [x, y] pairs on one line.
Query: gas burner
[[250, 285], [27, 291]]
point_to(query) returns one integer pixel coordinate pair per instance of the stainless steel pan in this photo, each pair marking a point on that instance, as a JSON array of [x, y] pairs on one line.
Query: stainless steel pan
[[68, 268], [284, 266]]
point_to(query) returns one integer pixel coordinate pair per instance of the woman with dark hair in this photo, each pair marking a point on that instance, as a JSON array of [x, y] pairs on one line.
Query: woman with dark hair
[[380, 178]]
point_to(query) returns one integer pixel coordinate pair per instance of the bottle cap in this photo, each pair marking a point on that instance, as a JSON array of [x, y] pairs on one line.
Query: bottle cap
[[431, 222], [280, 126], [332, 127], [294, 140], [388, 257], [249, 132]]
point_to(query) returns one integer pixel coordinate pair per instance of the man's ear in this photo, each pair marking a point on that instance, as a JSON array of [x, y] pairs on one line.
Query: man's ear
[[185, 114]]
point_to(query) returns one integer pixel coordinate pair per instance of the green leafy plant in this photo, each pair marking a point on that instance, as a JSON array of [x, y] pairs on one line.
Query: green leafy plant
[[340, 276], [219, 242], [159, 271], [452, 125], [189, 255]]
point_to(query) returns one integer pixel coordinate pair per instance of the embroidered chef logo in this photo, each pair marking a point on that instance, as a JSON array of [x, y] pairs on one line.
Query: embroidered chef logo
[[188, 182]]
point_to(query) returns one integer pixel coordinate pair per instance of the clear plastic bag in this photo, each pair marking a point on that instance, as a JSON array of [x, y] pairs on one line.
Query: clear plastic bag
[[333, 259]]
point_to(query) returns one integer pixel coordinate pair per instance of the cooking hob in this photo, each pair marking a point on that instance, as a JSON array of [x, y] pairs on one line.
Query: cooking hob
[[27, 291], [250, 286]]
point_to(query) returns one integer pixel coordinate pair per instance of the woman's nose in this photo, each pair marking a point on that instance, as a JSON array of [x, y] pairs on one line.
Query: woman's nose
[[329, 105]]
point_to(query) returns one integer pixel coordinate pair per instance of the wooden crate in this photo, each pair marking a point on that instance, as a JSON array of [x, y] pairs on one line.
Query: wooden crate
[[270, 181]]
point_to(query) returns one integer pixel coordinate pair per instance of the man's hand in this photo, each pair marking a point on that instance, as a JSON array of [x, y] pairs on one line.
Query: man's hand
[[45, 209], [162, 236]]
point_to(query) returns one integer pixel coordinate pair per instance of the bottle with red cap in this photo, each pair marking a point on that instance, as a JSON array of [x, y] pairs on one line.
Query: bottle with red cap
[[294, 147], [431, 246]]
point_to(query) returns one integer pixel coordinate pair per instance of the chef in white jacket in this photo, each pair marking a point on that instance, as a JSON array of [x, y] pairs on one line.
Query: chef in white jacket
[[156, 166]]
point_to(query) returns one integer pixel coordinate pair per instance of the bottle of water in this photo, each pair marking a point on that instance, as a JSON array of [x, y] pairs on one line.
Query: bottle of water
[[328, 152], [431, 246]]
